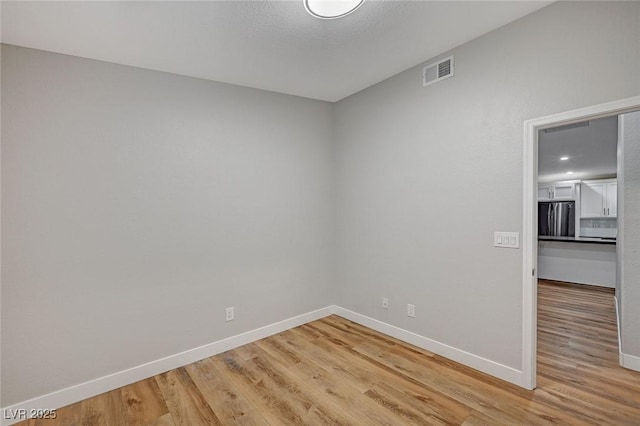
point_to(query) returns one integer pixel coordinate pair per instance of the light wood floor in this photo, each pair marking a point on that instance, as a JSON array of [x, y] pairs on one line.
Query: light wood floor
[[336, 372]]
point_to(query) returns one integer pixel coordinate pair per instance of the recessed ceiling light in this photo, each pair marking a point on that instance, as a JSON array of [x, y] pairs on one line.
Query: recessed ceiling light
[[569, 172], [331, 9], [565, 158]]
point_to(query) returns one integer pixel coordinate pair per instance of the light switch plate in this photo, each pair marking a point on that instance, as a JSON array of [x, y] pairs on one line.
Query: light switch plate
[[506, 239]]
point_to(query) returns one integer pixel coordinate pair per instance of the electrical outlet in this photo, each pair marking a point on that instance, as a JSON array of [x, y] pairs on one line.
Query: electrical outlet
[[411, 310], [385, 303], [229, 314]]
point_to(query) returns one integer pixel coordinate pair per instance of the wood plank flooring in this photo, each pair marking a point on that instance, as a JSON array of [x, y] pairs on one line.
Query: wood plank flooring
[[333, 371]]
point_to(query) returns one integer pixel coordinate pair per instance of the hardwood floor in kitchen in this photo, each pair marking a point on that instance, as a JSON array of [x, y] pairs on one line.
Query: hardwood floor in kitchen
[[334, 371]]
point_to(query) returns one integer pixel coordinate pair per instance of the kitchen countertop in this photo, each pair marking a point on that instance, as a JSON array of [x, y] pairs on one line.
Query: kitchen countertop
[[592, 240]]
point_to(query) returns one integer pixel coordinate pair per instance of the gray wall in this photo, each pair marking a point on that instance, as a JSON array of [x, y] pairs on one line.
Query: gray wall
[[629, 287], [428, 174], [620, 218], [137, 205]]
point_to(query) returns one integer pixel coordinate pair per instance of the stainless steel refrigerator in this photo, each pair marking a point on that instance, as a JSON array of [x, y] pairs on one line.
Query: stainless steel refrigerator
[[557, 218]]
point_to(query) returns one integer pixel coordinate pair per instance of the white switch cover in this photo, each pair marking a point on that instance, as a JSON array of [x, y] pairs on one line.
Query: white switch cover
[[506, 239]]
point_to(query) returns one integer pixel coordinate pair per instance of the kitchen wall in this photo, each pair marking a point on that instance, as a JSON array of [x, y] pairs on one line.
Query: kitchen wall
[[427, 174], [137, 205], [628, 286], [582, 263]]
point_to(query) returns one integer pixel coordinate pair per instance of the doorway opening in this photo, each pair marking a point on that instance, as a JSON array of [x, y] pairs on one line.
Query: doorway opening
[[571, 119]]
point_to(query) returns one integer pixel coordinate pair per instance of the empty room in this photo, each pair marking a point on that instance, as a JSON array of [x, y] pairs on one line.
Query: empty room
[[310, 212]]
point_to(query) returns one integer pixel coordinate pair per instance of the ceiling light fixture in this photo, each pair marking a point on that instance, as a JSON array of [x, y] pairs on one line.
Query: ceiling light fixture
[[569, 172], [331, 9], [565, 158]]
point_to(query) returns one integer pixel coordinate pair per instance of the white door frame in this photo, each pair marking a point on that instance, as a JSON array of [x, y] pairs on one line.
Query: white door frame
[[530, 219]]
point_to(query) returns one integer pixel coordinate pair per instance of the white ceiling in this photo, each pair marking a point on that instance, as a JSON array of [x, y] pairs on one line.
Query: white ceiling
[[592, 151], [271, 45]]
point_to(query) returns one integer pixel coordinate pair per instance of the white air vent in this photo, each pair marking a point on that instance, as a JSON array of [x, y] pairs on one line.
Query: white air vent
[[437, 71]]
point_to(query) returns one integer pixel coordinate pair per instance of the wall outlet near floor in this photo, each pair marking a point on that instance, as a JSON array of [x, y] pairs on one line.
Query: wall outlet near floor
[[229, 316], [385, 303], [411, 310]]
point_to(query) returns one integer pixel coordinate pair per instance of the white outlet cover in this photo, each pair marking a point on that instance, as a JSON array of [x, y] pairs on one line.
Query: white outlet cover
[[229, 314], [411, 310]]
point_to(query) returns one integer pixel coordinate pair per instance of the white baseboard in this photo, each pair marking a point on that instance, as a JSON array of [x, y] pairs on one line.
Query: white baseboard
[[615, 301], [631, 362], [100, 385], [476, 362]]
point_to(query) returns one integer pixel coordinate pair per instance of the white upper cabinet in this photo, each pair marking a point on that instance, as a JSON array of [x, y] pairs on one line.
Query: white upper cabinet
[[611, 203], [557, 191], [599, 198], [564, 191], [592, 199], [544, 192]]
